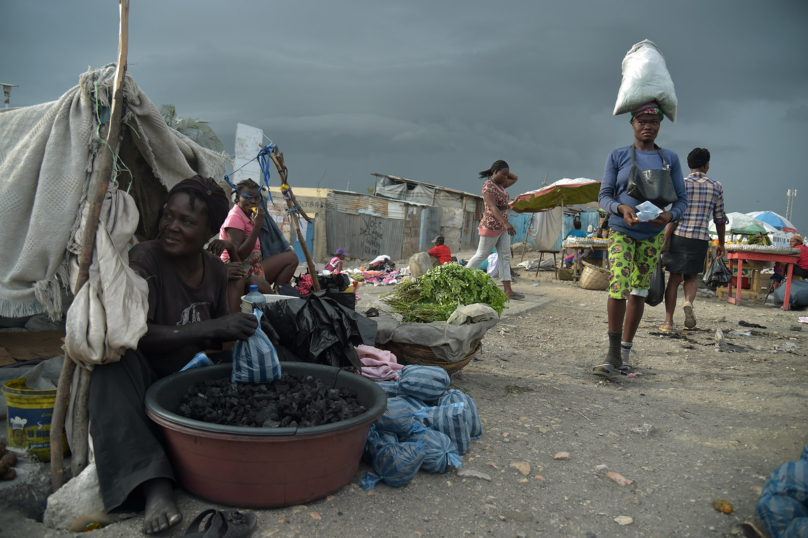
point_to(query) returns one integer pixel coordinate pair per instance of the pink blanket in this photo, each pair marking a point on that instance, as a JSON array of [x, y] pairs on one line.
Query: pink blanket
[[378, 364]]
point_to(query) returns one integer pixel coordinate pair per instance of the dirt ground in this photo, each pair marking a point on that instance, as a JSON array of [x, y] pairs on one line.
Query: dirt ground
[[696, 425]]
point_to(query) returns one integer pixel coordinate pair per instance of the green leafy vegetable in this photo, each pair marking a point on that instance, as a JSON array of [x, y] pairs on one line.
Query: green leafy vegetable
[[436, 295]]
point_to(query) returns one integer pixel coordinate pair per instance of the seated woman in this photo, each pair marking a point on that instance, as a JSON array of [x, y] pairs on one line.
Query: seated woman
[[187, 314], [241, 228], [801, 267]]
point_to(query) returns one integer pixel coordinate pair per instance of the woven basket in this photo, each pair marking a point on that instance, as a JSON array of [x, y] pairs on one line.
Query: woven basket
[[423, 356], [594, 278]]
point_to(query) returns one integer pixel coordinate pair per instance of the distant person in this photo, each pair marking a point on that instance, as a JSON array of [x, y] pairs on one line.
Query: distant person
[[801, 267], [335, 265], [440, 253], [687, 241], [634, 246], [577, 231], [495, 230]]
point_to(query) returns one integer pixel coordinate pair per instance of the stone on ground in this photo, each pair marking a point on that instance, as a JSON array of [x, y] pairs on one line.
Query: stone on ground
[[420, 263]]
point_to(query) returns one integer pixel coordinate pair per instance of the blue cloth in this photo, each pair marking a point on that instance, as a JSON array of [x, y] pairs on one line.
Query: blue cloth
[[272, 240], [577, 233], [783, 503], [615, 181]]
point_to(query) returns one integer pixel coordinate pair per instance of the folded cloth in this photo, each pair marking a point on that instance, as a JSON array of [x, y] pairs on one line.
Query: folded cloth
[[378, 364]]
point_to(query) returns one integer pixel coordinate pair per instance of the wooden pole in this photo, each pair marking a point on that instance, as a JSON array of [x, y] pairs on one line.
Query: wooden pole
[[524, 244], [291, 203], [95, 201]]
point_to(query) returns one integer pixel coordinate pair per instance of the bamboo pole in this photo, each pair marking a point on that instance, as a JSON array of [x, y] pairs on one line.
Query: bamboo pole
[[291, 203], [98, 191]]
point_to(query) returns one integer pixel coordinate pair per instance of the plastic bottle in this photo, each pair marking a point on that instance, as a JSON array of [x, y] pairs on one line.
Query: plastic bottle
[[745, 241], [255, 296]]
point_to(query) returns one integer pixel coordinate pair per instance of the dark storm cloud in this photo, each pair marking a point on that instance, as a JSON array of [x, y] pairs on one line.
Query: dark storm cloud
[[436, 91]]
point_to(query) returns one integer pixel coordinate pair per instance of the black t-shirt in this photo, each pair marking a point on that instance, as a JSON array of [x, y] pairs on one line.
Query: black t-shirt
[[173, 302]]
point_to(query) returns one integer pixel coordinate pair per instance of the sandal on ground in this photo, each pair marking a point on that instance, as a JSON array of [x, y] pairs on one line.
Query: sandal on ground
[[516, 296], [224, 524], [625, 369], [690, 317], [606, 370], [666, 327]]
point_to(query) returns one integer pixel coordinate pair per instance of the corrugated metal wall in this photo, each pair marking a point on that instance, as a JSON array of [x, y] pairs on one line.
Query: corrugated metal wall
[[353, 203], [430, 226], [364, 236]]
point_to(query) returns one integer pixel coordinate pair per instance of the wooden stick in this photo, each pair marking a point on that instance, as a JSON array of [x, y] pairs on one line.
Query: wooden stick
[[98, 191], [291, 203], [81, 422]]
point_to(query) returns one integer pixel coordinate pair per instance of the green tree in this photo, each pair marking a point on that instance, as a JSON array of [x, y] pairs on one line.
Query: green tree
[[197, 130]]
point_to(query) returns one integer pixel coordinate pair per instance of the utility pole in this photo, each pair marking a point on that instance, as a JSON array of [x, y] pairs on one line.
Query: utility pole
[[791, 194], [7, 92], [348, 188]]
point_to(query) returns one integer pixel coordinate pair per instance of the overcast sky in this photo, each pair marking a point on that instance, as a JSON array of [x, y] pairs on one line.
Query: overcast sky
[[436, 91]]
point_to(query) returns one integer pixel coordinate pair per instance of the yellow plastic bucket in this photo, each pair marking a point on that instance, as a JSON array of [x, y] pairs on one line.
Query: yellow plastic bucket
[[29, 418]]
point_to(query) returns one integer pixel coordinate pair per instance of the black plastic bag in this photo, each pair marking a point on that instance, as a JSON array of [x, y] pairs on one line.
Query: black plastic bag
[[319, 330], [656, 293], [717, 274]]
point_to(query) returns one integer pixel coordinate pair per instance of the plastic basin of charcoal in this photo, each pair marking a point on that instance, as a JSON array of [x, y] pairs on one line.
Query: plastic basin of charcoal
[[263, 467]]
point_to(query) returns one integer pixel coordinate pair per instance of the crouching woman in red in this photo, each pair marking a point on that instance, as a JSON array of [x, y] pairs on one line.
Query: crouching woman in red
[[187, 313]]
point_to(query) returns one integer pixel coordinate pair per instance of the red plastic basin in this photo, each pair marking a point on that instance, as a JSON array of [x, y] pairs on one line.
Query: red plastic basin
[[263, 467]]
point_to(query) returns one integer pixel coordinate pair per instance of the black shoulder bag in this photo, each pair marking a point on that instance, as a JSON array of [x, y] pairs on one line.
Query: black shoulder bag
[[653, 186]]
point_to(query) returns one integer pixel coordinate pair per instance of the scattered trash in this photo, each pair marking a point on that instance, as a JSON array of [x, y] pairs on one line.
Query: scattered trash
[[634, 375], [372, 313], [719, 339], [562, 456], [535, 285], [645, 429], [788, 347], [624, 520], [722, 506], [517, 516], [521, 466], [740, 333], [621, 481], [804, 319], [796, 327], [468, 473], [743, 323], [601, 467]]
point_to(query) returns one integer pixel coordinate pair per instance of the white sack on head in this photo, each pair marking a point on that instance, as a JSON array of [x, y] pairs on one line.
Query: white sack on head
[[645, 79]]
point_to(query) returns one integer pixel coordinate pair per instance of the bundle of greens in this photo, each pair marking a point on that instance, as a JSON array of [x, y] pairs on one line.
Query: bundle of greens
[[434, 296]]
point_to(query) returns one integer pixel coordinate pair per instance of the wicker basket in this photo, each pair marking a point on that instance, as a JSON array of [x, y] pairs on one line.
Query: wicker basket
[[423, 356], [594, 278]]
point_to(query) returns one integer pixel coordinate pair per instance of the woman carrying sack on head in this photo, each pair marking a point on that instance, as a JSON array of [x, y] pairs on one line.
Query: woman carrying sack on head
[[634, 246], [495, 230]]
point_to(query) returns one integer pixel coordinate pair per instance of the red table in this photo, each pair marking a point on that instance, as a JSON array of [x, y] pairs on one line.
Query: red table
[[741, 255]]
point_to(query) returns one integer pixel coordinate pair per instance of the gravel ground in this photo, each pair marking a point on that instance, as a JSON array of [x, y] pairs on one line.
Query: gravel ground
[[695, 426]]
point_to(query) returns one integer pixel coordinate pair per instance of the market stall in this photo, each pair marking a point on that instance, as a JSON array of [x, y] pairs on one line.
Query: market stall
[[757, 254]]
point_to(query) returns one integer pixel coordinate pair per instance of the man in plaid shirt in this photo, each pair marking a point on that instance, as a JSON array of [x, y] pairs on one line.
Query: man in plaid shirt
[[687, 241]]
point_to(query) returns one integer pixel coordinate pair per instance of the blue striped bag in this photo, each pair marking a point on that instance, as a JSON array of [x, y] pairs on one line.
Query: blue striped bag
[[414, 404], [398, 418], [256, 359], [452, 420], [389, 387], [427, 383], [376, 440], [453, 396], [441, 452], [396, 464]]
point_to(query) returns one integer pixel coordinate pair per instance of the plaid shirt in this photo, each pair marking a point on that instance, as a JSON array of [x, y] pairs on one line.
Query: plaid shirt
[[705, 196]]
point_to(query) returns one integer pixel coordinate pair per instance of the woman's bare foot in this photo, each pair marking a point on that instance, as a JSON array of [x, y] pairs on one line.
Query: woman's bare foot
[[161, 508]]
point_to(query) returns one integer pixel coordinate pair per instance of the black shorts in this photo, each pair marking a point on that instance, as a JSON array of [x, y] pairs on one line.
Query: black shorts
[[685, 256]]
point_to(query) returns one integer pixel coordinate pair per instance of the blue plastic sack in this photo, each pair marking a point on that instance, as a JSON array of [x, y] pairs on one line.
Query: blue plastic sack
[[440, 451], [398, 418], [389, 387], [256, 359], [376, 440], [452, 420], [413, 404], [453, 396], [396, 464], [427, 383], [783, 503]]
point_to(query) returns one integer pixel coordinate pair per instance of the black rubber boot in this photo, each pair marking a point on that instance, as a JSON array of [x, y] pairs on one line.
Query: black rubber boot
[[613, 356]]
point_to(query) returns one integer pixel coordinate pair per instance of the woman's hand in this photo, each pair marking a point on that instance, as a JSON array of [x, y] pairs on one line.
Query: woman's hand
[[258, 218], [510, 229], [663, 219], [237, 326], [235, 271], [629, 215], [217, 246]]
